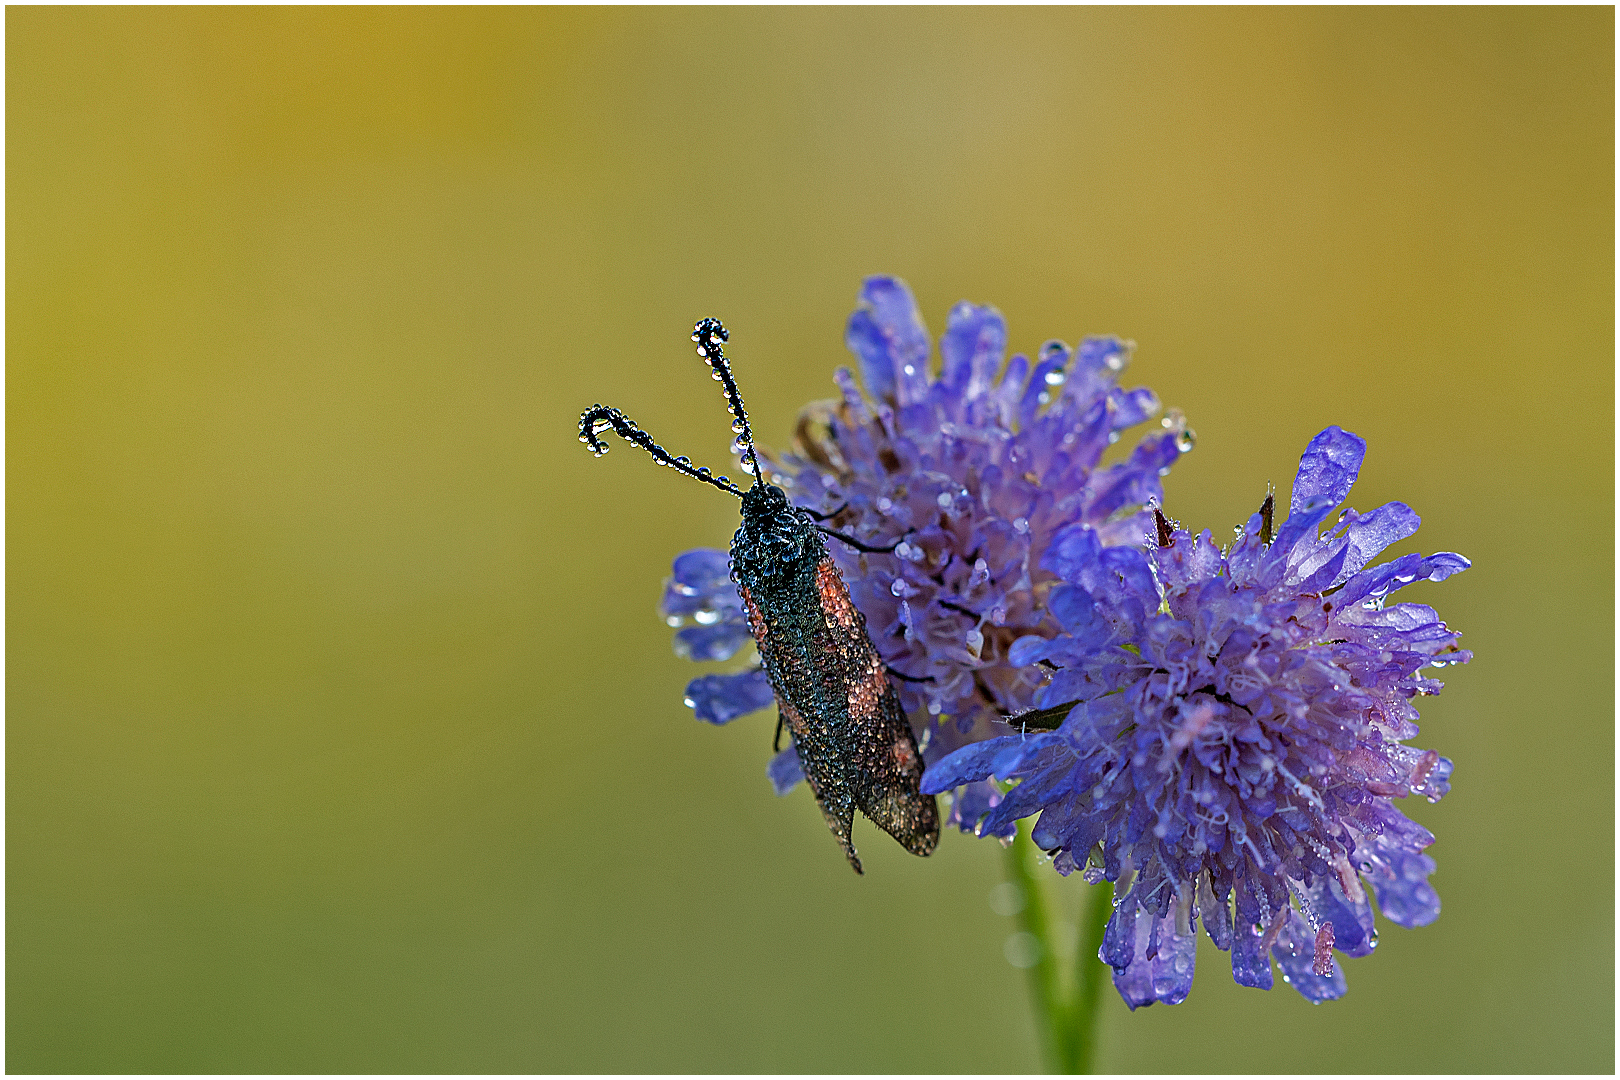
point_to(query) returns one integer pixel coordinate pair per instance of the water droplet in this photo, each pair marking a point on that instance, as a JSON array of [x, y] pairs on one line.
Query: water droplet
[[683, 460], [1020, 525], [1185, 441], [1056, 377], [944, 500], [909, 370], [672, 620], [702, 351], [706, 617], [690, 704]]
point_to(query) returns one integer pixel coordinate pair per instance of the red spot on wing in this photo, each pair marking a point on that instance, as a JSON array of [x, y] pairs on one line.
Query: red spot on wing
[[835, 602], [756, 618], [866, 692]]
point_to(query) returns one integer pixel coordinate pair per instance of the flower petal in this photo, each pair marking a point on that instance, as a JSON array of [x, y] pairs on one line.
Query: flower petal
[[972, 762], [720, 699], [1167, 974], [700, 581], [1296, 954], [784, 770], [1401, 879], [887, 334], [1371, 533], [1328, 468], [971, 349], [718, 642], [703, 570], [1353, 927]]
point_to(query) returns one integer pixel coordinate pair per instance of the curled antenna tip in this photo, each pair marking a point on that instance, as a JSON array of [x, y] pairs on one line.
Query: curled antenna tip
[[709, 334]]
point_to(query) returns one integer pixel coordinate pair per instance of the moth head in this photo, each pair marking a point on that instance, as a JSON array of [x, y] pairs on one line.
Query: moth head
[[770, 524]]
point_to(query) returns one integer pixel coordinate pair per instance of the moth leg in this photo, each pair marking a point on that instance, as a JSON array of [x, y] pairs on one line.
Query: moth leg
[[776, 742]]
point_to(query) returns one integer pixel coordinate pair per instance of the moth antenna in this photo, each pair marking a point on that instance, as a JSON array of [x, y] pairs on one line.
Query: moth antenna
[[711, 336], [599, 418]]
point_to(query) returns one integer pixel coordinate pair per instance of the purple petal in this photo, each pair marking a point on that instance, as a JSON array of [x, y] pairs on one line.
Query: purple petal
[[1030, 650], [1401, 879], [703, 570], [1371, 533], [1050, 371], [718, 642], [1103, 352], [1327, 572], [971, 348], [1167, 975], [1296, 953], [701, 581], [971, 802], [972, 762], [1352, 920], [1251, 966], [887, 334], [1135, 406], [1328, 468], [1308, 514], [784, 770], [1072, 550], [1216, 913], [1119, 936], [1073, 608], [720, 699], [1377, 582]]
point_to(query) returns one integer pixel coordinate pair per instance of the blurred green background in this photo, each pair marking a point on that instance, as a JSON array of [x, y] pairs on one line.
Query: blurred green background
[[342, 732]]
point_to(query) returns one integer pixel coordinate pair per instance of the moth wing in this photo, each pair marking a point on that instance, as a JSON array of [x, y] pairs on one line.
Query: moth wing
[[887, 768]]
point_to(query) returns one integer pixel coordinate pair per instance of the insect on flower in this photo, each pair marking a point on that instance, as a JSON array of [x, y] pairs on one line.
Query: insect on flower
[[832, 692]]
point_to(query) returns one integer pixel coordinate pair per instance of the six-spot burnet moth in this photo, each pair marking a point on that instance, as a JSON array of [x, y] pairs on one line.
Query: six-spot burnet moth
[[854, 743]]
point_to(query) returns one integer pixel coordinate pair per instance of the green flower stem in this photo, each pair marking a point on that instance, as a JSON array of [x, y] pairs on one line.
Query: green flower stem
[[1065, 1007]]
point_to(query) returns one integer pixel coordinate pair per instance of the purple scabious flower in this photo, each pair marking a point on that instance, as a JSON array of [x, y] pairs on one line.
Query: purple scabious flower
[[971, 471], [1233, 736]]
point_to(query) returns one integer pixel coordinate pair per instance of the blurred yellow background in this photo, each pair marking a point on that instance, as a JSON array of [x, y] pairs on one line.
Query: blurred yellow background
[[342, 733]]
